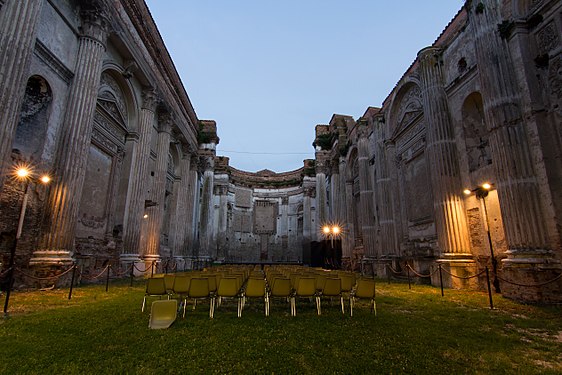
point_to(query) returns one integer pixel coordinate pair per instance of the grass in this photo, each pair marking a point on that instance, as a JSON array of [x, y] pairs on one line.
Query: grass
[[415, 331]]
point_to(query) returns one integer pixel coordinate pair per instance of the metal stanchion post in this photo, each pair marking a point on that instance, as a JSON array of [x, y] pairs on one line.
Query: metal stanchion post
[[441, 280], [72, 281], [166, 268], [107, 278], [409, 281], [388, 273], [152, 269], [132, 273], [489, 289]]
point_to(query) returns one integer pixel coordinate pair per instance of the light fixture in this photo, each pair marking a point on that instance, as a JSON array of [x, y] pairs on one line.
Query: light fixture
[[486, 186]]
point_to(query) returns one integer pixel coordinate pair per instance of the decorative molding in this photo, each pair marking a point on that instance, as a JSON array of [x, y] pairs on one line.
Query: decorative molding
[[53, 62], [547, 38]]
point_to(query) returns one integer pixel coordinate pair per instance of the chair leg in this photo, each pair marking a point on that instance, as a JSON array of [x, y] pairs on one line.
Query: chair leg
[[318, 306], [143, 303], [184, 306], [350, 306], [342, 307], [374, 307], [211, 308]]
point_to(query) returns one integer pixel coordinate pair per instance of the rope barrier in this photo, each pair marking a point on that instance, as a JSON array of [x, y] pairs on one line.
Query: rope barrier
[[464, 277], [531, 285], [44, 278], [122, 273], [419, 274], [6, 272], [393, 270], [146, 269], [95, 277]]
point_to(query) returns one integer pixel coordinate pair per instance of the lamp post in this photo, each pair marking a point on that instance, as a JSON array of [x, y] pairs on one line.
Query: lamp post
[[331, 232], [24, 174], [481, 192]]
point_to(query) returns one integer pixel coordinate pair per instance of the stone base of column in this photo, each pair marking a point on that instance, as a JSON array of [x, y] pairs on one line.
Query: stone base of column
[[131, 260], [368, 266], [456, 271], [151, 264], [346, 263], [531, 277], [382, 266], [47, 265]]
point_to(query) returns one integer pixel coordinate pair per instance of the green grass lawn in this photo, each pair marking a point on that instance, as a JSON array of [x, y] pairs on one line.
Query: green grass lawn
[[416, 331]]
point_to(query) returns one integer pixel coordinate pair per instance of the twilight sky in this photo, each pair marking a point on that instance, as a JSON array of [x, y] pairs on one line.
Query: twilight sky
[[269, 71]]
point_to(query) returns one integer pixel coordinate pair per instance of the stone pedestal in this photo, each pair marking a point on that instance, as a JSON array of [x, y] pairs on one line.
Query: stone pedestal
[[455, 272]]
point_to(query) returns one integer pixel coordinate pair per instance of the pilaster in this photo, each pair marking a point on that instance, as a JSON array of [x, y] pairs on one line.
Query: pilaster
[[158, 191], [366, 193], [74, 141], [138, 178], [18, 25]]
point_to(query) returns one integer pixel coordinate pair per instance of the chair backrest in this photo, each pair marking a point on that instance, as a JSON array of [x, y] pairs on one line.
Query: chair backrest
[[332, 287], [281, 287], [198, 287], [228, 287], [306, 287], [163, 313], [181, 284], [169, 281], [346, 282], [320, 281], [155, 286], [365, 288], [255, 287]]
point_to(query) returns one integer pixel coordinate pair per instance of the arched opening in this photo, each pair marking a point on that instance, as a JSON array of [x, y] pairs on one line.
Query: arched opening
[[475, 132], [31, 131]]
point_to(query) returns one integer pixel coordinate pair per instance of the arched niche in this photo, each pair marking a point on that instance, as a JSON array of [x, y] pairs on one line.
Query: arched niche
[[475, 132], [31, 131]]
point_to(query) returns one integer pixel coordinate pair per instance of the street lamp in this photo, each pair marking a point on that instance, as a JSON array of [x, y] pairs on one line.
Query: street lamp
[[481, 192], [22, 173], [331, 231]]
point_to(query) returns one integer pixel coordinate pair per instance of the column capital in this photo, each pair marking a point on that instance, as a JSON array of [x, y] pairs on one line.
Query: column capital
[[95, 23], [150, 99], [166, 122]]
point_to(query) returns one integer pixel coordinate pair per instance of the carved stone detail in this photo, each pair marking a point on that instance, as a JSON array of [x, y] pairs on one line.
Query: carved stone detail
[[547, 38]]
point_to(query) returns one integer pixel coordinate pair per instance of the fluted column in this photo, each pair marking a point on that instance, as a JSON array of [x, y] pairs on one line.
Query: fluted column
[[517, 184], [366, 194], [308, 233], [158, 191], [448, 203], [335, 196], [207, 208], [388, 245], [221, 231], [74, 141], [138, 178], [182, 207], [348, 243], [321, 199], [18, 25], [191, 207]]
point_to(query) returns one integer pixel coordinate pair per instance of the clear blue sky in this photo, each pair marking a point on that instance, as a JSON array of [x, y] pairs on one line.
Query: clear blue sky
[[269, 71]]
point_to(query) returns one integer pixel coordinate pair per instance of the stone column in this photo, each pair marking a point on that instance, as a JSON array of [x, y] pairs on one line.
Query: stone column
[[366, 194], [321, 199], [183, 211], [309, 192], [388, 244], [448, 203], [74, 142], [138, 179], [348, 243], [158, 191], [207, 208], [18, 25], [192, 207], [221, 191], [335, 196], [517, 184]]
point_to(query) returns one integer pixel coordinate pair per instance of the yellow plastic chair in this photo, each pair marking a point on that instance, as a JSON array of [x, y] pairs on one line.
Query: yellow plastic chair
[[199, 290], [155, 287], [332, 288], [163, 314], [305, 288], [169, 282], [181, 289], [256, 288], [229, 288], [281, 288], [365, 290]]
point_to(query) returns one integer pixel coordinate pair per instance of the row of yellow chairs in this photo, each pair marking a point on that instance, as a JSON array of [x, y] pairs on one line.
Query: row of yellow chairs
[[240, 284]]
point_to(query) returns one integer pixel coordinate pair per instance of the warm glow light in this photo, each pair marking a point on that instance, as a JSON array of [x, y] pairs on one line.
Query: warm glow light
[[145, 216], [467, 191], [326, 229], [486, 186], [22, 172], [45, 179], [336, 230]]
